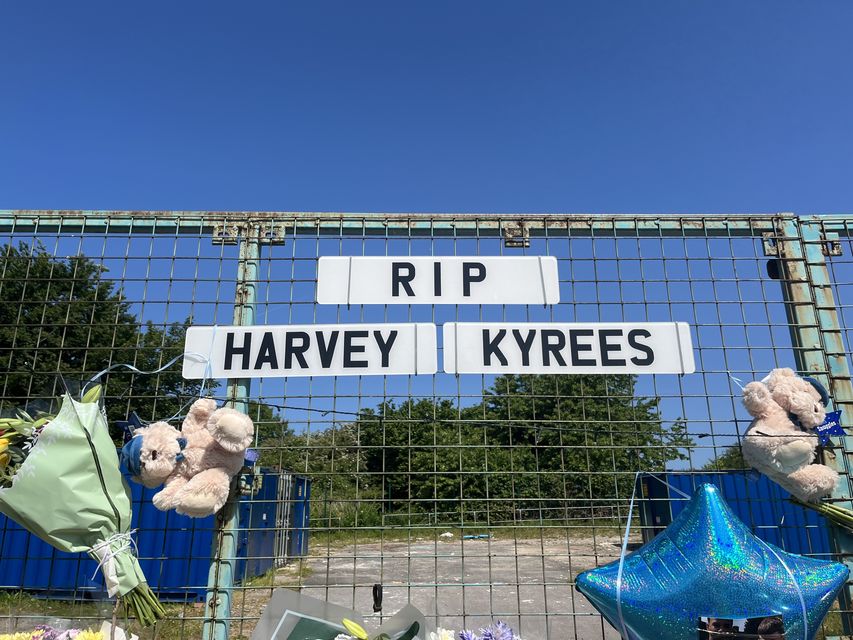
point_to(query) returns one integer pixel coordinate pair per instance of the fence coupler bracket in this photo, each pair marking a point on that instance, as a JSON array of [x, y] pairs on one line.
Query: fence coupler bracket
[[231, 232], [516, 235]]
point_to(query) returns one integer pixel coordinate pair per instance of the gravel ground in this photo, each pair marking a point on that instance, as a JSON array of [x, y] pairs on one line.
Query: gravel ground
[[458, 583]]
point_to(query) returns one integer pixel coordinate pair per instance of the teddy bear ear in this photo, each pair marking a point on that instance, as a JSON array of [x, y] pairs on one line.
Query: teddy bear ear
[[757, 398]]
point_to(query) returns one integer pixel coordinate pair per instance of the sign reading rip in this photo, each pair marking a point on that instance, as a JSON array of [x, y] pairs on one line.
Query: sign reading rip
[[438, 280], [308, 350]]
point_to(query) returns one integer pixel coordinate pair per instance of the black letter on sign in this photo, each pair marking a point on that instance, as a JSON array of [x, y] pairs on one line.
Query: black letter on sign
[[436, 275], [606, 348], [468, 269], [548, 348], [350, 348], [650, 355], [491, 347], [385, 347], [327, 350], [399, 278], [576, 348], [291, 350], [231, 350], [266, 354], [524, 345]]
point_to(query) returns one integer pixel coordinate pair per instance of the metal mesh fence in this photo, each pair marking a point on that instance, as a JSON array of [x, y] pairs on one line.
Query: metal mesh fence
[[474, 497]]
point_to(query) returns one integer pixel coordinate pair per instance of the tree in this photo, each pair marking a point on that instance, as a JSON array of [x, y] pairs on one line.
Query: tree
[[592, 429], [535, 446], [62, 322], [731, 458]]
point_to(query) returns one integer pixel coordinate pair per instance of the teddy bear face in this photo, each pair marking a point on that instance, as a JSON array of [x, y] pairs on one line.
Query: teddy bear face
[[153, 453], [797, 396]]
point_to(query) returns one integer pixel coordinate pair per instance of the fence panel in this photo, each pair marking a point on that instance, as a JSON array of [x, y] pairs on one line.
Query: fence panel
[[474, 497]]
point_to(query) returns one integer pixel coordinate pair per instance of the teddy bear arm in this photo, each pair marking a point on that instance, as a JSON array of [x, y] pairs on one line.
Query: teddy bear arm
[[796, 453], [778, 447], [204, 494], [165, 498]]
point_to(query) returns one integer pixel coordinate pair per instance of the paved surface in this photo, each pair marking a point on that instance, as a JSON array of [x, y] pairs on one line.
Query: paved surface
[[467, 584]]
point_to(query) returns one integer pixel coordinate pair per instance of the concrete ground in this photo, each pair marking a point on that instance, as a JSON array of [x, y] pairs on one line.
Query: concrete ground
[[467, 584]]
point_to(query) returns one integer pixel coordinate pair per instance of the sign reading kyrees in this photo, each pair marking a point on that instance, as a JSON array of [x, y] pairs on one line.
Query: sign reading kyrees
[[438, 280], [646, 347], [309, 350]]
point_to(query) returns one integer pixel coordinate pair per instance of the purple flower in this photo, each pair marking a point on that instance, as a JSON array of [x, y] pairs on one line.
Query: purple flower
[[498, 631], [47, 633], [502, 631]]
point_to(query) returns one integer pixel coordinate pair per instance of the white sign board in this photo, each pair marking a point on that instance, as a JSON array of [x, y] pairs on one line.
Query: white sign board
[[545, 347], [276, 351], [438, 280]]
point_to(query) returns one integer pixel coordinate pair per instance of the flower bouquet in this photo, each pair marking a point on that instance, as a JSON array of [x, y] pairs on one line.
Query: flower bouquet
[[60, 479], [44, 632], [498, 631]]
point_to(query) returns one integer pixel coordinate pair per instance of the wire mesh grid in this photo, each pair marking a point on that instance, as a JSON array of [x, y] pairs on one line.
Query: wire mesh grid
[[473, 497]]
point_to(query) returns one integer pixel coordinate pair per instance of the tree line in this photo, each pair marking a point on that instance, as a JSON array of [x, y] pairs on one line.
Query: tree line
[[545, 444]]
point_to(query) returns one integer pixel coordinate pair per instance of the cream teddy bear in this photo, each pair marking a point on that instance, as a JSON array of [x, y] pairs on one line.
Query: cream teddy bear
[[779, 448], [197, 473]]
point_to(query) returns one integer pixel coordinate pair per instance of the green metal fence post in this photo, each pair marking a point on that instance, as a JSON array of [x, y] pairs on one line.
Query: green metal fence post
[[819, 350], [220, 580]]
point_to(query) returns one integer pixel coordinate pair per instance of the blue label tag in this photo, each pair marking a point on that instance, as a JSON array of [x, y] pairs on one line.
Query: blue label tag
[[831, 427]]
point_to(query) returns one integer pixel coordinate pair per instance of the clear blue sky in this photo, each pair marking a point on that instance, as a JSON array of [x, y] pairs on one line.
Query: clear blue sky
[[666, 106]]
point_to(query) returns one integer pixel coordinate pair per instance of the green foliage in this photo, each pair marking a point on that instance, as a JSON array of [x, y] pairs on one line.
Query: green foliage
[[535, 447], [731, 458], [62, 321]]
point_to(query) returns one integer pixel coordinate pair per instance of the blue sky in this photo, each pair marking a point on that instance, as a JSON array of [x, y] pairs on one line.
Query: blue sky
[[435, 106], [617, 107]]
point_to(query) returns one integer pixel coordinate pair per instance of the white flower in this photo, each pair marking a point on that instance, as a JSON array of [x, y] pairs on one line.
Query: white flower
[[441, 634]]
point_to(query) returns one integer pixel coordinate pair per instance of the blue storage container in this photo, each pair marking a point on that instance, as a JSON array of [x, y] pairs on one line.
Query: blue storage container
[[174, 550], [300, 516], [759, 503], [256, 545]]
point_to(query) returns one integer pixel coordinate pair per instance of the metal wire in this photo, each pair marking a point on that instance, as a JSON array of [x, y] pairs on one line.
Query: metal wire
[[539, 472]]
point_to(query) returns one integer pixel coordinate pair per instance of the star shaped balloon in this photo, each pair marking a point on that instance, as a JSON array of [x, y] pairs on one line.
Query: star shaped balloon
[[708, 564]]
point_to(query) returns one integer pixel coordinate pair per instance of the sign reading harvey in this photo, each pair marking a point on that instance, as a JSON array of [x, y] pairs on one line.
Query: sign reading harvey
[[438, 280], [309, 350], [645, 347]]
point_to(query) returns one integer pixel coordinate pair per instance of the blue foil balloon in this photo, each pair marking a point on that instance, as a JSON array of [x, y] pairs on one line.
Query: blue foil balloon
[[707, 563]]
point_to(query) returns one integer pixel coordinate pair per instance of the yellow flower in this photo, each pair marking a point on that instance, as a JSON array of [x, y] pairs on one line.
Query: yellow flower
[[4, 460], [355, 629], [4, 444], [89, 635]]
